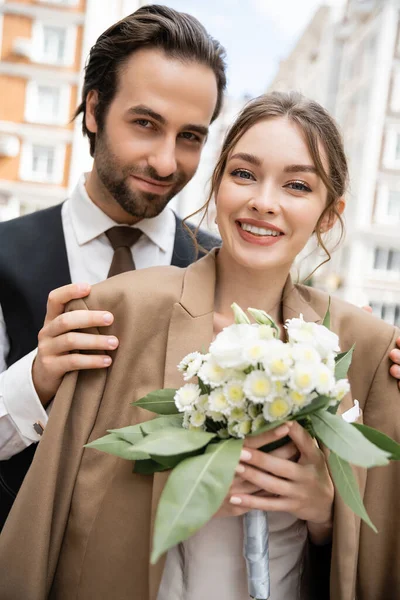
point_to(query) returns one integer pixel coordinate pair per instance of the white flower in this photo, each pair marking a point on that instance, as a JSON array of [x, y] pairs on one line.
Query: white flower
[[303, 378], [327, 342], [340, 389], [278, 361], [254, 410], [234, 393], [305, 353], [227, 348], [299, 400], [218, 402], [202, 403], [215, 416], [258, 387], [279, 408], [223, 433], [238, 414], [197, 418], [239, 430], [211, 373], [324, 340], [325, 380], [254, 351], [187, 396], [266, 332], [190, 365]]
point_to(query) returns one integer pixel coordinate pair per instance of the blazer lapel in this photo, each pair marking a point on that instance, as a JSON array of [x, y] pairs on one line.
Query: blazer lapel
[[191, 329]]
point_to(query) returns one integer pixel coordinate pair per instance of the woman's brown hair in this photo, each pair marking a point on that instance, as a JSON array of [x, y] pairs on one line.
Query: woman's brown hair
[[317, 126]]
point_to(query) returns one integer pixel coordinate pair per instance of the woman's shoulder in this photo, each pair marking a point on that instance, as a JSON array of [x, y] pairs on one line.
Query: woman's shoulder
[[349, 321]]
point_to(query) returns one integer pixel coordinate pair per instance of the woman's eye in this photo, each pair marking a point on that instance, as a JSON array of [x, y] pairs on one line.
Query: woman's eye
[[299, 186], [242, 174]]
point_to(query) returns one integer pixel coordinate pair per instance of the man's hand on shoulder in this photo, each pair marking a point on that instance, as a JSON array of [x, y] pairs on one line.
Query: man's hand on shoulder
[[394, 355], [59, 342]]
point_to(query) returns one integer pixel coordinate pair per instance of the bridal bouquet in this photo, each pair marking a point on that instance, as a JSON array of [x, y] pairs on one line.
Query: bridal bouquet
[[248, 382]]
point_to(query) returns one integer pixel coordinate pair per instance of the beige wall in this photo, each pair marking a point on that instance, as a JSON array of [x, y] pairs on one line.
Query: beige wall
[[9, 168], [12, 98], [14, 26]]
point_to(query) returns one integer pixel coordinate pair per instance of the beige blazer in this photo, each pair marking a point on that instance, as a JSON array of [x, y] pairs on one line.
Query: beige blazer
[[81, 526]]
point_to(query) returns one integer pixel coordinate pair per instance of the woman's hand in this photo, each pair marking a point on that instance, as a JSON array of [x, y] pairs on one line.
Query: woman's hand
[[303, 488], [240, 486]]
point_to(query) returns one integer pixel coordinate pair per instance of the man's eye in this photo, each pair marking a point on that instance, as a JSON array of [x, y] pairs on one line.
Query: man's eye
[[299, 186], [242, 174], [188, 135], [143, 122]]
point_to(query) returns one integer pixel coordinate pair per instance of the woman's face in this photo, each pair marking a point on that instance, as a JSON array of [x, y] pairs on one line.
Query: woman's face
[[270, 197]]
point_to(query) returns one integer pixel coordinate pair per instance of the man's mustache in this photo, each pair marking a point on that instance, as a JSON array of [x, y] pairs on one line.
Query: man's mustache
[[151, 173]]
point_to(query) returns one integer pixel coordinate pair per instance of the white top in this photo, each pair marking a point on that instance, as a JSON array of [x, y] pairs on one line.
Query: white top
[[210, 564], [89, 255]]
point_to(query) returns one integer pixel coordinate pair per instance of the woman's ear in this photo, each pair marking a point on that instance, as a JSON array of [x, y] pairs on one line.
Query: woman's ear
[[331, 217], [90, 119]]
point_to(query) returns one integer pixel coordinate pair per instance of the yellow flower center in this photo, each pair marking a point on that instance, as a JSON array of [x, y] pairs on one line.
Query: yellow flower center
[[278, 408]]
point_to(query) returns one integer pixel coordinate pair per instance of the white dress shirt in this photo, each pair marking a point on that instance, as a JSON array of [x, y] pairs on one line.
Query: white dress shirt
[[89, 255]]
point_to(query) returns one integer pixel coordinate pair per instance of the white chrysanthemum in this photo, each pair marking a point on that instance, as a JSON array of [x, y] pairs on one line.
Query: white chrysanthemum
[[325, 380], [223, 433], [190, 365], [239, 429], [340, 389], [279, 408], [303, 378], [238, 414], [187, 396], [258, 387], [218, 402], [254, 351], [202, 403], [254, 410], [234, 393], [227, 348], [279, 388], [305, 353], [211, 373], [215, 416], [197, 418], [299, 400], [186, 419], [278, 360], [257, 423]]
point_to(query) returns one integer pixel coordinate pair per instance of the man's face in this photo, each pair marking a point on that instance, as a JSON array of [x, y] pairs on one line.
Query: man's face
[[154, 131]]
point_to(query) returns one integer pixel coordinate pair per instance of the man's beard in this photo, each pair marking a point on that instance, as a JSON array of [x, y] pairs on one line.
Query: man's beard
[[115, 178]]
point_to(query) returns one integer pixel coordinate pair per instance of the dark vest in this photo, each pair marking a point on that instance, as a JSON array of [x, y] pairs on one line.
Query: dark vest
[[33, 261]]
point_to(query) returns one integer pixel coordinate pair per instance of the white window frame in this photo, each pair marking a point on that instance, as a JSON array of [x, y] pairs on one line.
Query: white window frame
[[27, 174], [38, 43], [32, 113], [395, 95], [382, 205], [389, 152]]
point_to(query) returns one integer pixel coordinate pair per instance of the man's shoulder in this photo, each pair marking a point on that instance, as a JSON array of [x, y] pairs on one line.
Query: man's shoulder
[[31, 225]]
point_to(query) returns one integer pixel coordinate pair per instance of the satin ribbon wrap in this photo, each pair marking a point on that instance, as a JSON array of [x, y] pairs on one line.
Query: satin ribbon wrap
[[255, 552]]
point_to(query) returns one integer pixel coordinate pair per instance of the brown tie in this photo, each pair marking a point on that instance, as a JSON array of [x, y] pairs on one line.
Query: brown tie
[[122, 238]]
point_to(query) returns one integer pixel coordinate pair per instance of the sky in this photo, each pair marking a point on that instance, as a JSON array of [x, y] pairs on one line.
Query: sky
[[257, 34]]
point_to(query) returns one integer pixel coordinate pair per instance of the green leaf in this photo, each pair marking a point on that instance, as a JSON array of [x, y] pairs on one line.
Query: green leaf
[[343, 362], [380, 439], [344, 439], [346, 484], [134, 433], [160, 402], [314, 406], [327, 318], [193, 493], [268, 427], [112, 444], [148, 467], [131, 434], [169, 462], [172, 441]]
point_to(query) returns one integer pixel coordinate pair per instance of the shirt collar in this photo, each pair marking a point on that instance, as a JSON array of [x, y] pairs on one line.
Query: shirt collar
[[89, 221]]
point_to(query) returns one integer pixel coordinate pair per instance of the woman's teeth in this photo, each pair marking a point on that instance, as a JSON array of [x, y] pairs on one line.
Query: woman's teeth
[[259, 230]]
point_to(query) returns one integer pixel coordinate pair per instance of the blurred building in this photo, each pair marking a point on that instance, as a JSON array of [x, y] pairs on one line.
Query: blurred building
[[352, 66], [43, 48]]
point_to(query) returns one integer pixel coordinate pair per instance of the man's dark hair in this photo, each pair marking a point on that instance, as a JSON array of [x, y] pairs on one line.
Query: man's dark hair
[[179, 35]]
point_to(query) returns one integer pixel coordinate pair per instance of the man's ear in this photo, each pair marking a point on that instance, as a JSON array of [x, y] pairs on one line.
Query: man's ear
[[330, 218], [90, 119]]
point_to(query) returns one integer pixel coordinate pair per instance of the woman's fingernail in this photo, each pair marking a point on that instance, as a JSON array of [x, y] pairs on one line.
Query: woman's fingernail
[[108, 318], [281, 431], [240, 469], [245, 455], [235, 500]]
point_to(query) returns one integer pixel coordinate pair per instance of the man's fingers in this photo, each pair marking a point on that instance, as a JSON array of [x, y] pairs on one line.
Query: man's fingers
[[367, 309], [59, 297], [77, 362], [74, 340], [395, 355], [76, 319]]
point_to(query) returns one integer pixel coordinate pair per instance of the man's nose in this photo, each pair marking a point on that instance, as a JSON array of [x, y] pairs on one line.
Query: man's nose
[[163, 158]]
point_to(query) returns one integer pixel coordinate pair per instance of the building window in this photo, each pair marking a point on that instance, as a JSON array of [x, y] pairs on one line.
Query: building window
[[53, 44], [387, 312], [393, 209], [387, 260], [47, 103], [391, 156], [42, 162], [387, 209]]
